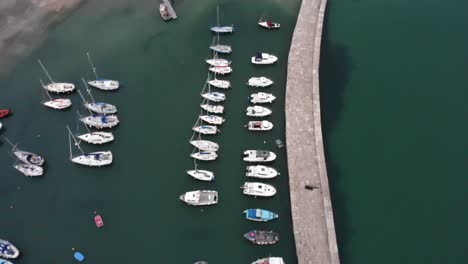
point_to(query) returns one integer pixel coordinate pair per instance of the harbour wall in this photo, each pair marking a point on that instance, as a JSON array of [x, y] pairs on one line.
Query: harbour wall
[[312, 212]]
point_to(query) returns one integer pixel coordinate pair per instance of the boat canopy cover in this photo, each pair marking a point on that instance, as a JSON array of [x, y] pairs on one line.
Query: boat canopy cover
[[258, 55], [78, 256], [104, 119], [6, 249]]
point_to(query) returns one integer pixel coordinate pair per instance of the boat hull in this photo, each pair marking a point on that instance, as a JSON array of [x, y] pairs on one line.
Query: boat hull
[[262, 237], [258, 189], [269, 24], [214, 97], [97, 138], [60, 87], [101, 121], [205, 145], [212, 119], [214, 109], [260, 125], [94, 159], [258, 111], [202, 175], [58, 104], [200, 198], [222, 84], [102, 108], [28, 157], [259, 82], [204, 155], [221, 70], [206, 130], [259, 215], [225, 49], [261, 172], [269, 260], [10, 251], [107, 85], [29, 170], [264, 59]]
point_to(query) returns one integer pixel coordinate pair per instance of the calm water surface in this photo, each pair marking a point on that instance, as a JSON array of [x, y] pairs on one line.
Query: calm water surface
[[162, 71], [394, 90]]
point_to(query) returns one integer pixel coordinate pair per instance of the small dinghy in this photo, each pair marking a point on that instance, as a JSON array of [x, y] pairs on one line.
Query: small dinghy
[[214, 109], [202, 175], [260, 125], [222, 84], [259, 156], [221, 70], [214, 96], [60, 103], [205, 145], [279, 143], [204, 155], [268, 24], [212, 119], [262, 237], [78, 256], [258, 189], [269, 260], [4, 112], [258, 111], [259, 82], [98, 221], [28, 157], [100, 121], [259, 215], [4, 261], [8, 250], [262, 98], [216, 62], [206, 129], [29, 169], [200, 197], [263, 58], [97, 138], [262, 172]]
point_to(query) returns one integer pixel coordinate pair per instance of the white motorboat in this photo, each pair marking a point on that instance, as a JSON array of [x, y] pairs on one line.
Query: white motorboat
[[97, 138], [28, 157], [262, 98], [60, 87], [223, 84], [206, 129], [264, 58], [214, 96], [262, 172], [60, 103], [258, 189], [8, 250], [100, 83], [212, 119], [226, 49], [259, 82], [94, 159], [259, 156], [100, 121], [258, 111], [216, 62], [221, 70], [29, 170], [202, 175], [205, 145], [200, 197], [260, 125], [214, 109], [269, 24], [204, 155], [269, 260]]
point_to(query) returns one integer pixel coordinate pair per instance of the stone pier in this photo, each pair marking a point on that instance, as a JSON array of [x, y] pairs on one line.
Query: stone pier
[[312, 213]]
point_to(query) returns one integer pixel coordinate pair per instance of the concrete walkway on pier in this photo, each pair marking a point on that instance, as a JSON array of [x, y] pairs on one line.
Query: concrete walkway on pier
[[312, 213]]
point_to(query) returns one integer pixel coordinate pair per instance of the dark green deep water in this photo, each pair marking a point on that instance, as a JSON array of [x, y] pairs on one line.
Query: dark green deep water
[[394, 88], [162, 68]]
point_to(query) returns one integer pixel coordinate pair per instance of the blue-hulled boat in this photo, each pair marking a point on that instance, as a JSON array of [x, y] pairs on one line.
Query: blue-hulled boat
[[7, 250], [260, 215]]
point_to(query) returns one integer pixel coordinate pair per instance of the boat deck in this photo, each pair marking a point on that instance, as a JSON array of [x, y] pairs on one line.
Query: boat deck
[[208, 198]]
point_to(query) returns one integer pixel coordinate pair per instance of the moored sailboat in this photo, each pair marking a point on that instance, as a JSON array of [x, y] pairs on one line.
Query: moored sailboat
[[56, 87], [204, 155], [100, 83], [205, 145], [212, 119], [8, 250], [93, 159], [29, 169]]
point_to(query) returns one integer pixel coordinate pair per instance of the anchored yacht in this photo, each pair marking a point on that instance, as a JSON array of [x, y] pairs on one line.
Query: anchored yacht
[[200, 197], [100, 83], [259, 156], [262, 98], [212, 119], [221, 70], [205, 145], [262, 172], [258, 111], [206, 129], [268, 24], [100, 121], [29, 170], [204, 155], [216, 62], [258, 189], [28, 157], [259, 82], [97, 137], [222, 84], [263, 58], [215, 109], [214, 96], [202, 175], [60, 87], [94, 159], [260, 125], [8, 250], [58, 104]]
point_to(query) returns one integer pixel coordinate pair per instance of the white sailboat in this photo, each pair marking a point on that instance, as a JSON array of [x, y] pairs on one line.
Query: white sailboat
[[204, 155], [217, 62], [259, 82], [264, 125], [202, 175], [259, 156], [262, 98], [220, 48], [97, 107], [96, 137], [222, 84], [262, 172], [258, 189], [206, 129], [214, 109], [221, 70], [205, 145], [58, 104], [214, 96], [212, 119], [100, 121], [93, 159], [56, 87], [258, 111], [100, 83], [219, 28], [29, 170], [263, 58]]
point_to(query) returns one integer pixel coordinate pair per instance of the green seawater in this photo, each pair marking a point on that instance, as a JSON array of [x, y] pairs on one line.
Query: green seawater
[[162, 71], [394, 86]]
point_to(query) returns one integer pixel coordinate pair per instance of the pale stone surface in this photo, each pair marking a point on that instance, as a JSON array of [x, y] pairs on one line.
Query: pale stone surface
[[312, 213]]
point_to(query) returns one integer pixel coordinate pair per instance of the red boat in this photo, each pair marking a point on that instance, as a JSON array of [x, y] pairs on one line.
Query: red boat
[[4, 112], [98, 221]]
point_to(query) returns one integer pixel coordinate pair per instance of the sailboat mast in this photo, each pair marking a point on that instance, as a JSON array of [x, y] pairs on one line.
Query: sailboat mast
[[74, 139], [46, 72], [217, 15], [48, 95], [70, 147], [92, 66], [88, 90]]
